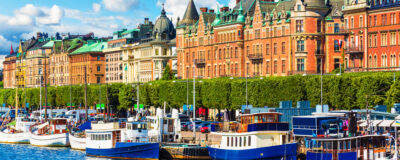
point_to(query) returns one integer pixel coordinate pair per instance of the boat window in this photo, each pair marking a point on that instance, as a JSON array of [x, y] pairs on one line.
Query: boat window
[[91, 137], [249, 141], [227, 141], [231, 141], [240, 141], [109, 136], [102, 137], [244, 141], [255, 119], [236, 141], [128, 126], [134, 126]]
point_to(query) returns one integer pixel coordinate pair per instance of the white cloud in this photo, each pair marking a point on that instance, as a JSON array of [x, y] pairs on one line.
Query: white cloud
[[177, 8], [53, 17], [119, 5], [96, 7], [232, 3], [31, 15], [5, 44]]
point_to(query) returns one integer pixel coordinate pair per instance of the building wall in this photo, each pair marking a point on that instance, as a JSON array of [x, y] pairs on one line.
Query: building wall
[[37, 63], [263, 48], [95, 68], [59, 69], [114, 65], [9, 72]]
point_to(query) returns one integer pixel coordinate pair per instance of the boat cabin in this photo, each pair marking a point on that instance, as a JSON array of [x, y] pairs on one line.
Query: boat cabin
[[351, 148], [168, 129], [136, 132], [58, 125], [102, 139]]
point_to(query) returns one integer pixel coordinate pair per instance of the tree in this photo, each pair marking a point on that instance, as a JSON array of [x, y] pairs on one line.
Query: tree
[[167, 74]]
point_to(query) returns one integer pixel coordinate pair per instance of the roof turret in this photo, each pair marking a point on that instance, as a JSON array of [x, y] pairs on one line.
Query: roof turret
[[191, 16]]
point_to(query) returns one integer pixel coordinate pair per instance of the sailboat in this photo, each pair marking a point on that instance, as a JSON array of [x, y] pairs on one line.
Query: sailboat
[[78, 138], [16, 132]]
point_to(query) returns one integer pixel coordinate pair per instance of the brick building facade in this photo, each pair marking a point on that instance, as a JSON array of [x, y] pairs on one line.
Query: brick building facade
[[9, 65], [261, 38]]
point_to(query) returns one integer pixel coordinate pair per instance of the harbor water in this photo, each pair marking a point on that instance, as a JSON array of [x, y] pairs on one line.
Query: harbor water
[[28, 152]]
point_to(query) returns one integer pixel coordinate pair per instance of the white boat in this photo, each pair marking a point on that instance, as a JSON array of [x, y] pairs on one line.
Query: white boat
[[78, 143], [164, 129], [17, 132], [50, 134]]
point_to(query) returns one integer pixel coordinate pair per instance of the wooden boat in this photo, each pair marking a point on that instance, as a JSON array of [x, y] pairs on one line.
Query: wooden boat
[[16, 132], [50, 134]]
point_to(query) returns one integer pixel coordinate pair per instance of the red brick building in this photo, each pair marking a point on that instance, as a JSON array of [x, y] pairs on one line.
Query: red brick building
[[261, 38]]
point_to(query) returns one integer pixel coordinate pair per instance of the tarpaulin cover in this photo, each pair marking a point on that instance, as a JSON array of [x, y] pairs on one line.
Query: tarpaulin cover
[[85, 126], [12, 123]]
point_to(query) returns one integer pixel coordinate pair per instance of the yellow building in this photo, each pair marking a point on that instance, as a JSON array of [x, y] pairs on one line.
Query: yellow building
[[37, 63]]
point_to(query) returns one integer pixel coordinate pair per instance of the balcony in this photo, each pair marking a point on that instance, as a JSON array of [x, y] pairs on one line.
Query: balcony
[[302, 72], [200, 62], [355, 49], [256, 74], [319, 53], [131, 57], [355, 69], [255, 56], [341, 31]]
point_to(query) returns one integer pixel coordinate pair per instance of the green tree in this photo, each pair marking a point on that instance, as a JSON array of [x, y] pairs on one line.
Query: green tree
[[167, 74]]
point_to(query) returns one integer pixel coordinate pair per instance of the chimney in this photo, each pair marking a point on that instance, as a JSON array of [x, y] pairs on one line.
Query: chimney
[[211, 11], [204, 9], [38, 35], [237, 1], [224, 9]]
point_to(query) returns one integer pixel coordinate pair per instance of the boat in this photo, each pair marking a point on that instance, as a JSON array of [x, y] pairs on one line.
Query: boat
[[135, 131], [257, 136], [164, 129], [104, 140], [50, 134], [183, 151], [77, 136], [16, 132], [349, 148]]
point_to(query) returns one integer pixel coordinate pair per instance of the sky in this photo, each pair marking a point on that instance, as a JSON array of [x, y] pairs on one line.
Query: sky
[[21, 19]]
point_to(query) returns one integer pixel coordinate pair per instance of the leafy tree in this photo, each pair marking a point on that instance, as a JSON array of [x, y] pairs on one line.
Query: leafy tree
[[167, 74]]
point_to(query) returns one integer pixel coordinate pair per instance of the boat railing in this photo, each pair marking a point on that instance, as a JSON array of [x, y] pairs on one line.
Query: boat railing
[[238, 127], [226, 127]]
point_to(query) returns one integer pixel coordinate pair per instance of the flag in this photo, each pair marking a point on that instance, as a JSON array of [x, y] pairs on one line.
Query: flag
[[12, 50]]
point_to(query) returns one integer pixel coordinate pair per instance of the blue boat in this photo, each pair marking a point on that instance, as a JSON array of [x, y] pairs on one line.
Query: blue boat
[[105, 140], [258, 136]]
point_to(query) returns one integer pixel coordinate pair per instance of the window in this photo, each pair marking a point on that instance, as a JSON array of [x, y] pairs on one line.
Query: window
[[336, 63], [384, 39], [300, 64], [267, 49], [393, 38], [267, 67], [275, 31], [298, 7], [370, 20], [236, 53], [336, 45], [336, 28], [375, 61], [370, 61], [240, 141], [98, 58], [375, 21], [283, 66], [244, 141], [361, 23], [227, 141], [231, 141], [300, 46], [249, 140], [248, 50], [283, 47], [98, 80], [352, 22], [257, 34], [275, 67], [98, 68], [236, 141], [299, 26], [275, 48], [319, 25], [283, 30]]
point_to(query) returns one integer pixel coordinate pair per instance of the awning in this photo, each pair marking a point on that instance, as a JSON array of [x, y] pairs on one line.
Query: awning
[[376, 122], [42, 125], [386, 123], [364, 124], [11, 123], [396, 123]]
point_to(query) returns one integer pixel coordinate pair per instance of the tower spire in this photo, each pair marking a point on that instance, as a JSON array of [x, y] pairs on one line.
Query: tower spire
[[191, 16], [163, 13]]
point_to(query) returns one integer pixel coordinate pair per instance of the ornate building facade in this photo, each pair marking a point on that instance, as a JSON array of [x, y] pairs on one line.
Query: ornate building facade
[[59, 61], [261, 38], [90, 57], [37, 63], [9, 65], [146, 60]]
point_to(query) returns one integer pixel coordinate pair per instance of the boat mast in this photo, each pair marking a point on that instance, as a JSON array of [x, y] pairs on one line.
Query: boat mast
[[45, 89], [86, 109], [194, 100], [16, 102]]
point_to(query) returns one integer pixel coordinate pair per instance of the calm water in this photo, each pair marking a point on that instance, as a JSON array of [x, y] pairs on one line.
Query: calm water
[[28, 152]]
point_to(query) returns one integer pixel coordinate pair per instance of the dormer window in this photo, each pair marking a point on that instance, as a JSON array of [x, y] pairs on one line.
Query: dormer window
[[298, 7]]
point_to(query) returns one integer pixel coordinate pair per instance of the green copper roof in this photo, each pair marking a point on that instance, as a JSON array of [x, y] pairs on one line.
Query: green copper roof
[[130, 31], [49, 44], [240, 17], [87, 48], [217, 18]]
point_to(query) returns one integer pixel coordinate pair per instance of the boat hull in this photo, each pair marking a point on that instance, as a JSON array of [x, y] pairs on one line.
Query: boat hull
[[77, 143], [127, 151], [55, 140], [271, 153], [183, 151], [20, 138]]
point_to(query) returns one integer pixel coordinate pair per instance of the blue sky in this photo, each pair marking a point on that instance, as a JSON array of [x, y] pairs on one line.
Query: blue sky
[[21, 19]]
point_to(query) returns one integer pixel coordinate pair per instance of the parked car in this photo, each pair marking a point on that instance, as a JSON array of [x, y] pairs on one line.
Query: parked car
[[198, 125], [205, 127]]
